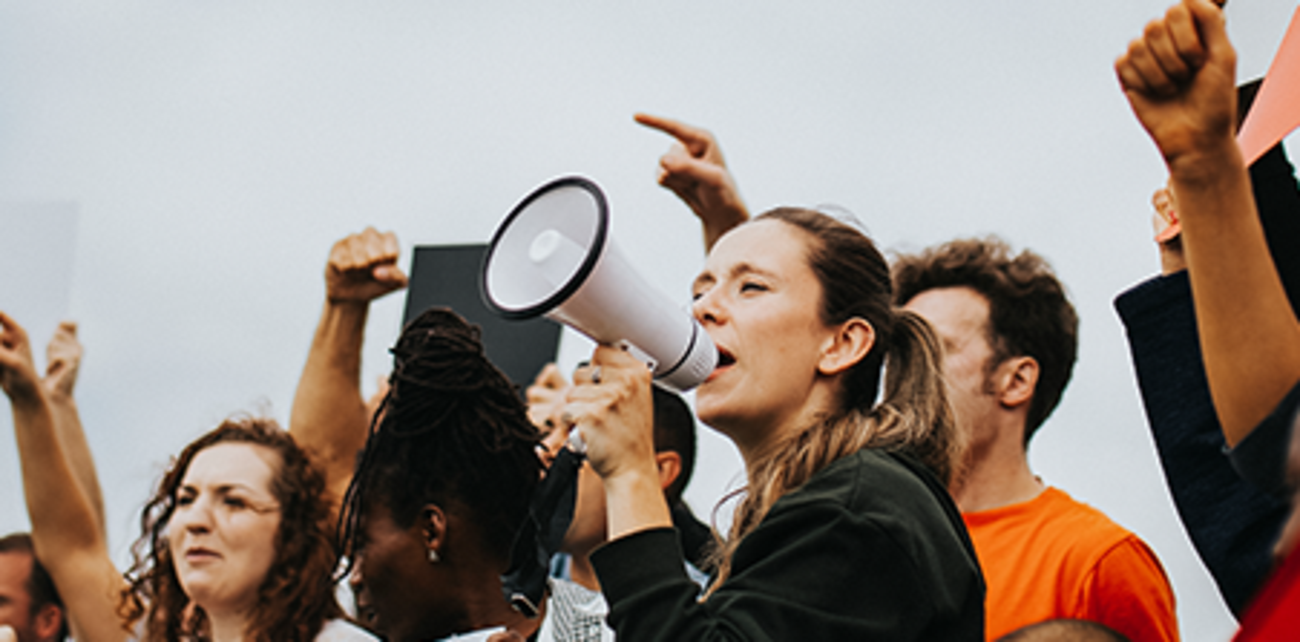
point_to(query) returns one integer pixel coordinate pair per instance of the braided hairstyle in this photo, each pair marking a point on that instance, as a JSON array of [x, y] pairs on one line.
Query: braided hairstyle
[[452, 429]]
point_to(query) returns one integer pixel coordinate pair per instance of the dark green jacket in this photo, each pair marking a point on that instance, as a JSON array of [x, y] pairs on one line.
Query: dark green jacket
[[871, 548]]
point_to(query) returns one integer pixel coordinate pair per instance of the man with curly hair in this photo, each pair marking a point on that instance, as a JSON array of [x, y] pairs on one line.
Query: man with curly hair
[[1010, 338]]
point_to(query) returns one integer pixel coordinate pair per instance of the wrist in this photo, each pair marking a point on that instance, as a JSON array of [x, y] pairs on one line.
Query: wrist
[[1207, 166], [342, 302], [57, 395], [26, 396], [634, 502], [345, 315], [727, 215], [632, 478]]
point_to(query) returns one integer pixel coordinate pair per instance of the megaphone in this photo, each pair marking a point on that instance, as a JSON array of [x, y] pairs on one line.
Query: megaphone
[[552, 255]]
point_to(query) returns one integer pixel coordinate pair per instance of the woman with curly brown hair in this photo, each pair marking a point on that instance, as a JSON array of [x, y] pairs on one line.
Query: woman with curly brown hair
[[236, 541], [239, 531]]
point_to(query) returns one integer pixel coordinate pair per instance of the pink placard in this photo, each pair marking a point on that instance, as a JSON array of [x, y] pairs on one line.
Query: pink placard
[[1276, 111]]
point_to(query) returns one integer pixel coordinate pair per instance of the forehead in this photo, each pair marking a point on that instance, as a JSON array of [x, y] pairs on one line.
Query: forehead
[[15, 569], [955, 313], [766, 244], [251, 465]]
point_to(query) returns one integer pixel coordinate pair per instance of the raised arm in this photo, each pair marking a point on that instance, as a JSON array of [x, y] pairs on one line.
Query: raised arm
[[695, 171], [1179, 78], [63, 363], [65, 531], [329, 416]]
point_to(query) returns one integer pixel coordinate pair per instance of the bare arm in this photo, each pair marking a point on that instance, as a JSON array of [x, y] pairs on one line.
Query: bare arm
[[329, 416], [63, 363], [65, 530], [696, 172], [1179, 80]]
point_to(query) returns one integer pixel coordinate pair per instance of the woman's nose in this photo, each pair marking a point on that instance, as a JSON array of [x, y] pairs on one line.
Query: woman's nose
[[707, 308], [196, 516]]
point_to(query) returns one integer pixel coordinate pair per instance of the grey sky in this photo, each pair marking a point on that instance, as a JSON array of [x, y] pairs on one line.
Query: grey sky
[[215, 150]]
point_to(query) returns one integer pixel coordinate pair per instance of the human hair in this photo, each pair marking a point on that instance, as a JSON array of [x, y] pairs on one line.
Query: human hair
[[1064, 631], [912, 417], [40, 586], [674, 432], [297, 596], [452, 431], [1029, 312]]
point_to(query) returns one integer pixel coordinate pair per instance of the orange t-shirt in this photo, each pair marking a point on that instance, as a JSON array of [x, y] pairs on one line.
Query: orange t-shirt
[[1052, 557]]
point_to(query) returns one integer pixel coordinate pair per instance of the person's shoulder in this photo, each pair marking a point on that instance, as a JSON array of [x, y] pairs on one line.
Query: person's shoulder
[[872, 475], [1089, 536], [872, 485], [1080, 519], [343, 631]]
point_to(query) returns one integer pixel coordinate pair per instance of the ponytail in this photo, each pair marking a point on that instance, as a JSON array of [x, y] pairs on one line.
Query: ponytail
[[914, 416]]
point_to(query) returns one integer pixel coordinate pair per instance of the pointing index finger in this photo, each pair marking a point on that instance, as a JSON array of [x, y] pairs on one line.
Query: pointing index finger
[[695, 139]]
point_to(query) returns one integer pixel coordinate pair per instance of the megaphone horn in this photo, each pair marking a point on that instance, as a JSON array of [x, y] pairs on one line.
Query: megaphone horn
[[552, 255]]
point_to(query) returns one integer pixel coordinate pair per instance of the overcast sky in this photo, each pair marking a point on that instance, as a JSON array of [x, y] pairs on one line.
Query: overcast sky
[[190, 164]]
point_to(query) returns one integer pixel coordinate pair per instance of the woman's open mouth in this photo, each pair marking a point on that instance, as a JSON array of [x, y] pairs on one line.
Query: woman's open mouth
[[725, 360]]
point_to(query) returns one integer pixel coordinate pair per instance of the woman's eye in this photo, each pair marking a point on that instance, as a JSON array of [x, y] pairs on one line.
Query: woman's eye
[[751, 286], [184, 500], [234, 502]]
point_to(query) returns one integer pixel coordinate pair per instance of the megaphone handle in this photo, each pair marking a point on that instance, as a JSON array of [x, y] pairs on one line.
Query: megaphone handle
[[575, 442]]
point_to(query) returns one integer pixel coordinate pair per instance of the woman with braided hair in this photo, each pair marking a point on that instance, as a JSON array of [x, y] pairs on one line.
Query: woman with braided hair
[[443, 484], [846, 531]]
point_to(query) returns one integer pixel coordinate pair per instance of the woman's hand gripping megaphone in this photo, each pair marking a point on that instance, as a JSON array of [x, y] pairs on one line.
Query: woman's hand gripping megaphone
[[611, 411]]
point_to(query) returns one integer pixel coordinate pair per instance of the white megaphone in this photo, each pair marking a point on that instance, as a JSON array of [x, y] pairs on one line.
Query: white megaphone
[[552, 255]]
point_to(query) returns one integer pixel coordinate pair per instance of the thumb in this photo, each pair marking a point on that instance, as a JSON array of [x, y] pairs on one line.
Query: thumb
[[390, 274]]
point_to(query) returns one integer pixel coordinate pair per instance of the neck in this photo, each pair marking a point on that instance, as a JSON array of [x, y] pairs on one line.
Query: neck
[[757, 443], [227, 626], [483, 607], [996, 474]]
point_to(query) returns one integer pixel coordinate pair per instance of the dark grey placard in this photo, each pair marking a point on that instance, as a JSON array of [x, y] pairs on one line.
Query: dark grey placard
[[448, 276]]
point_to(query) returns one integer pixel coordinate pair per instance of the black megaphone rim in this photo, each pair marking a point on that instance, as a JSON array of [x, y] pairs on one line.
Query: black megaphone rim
[[588, 263]]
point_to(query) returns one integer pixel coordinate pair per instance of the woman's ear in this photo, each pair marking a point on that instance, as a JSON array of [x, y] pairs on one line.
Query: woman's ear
[[847, 346], [433, 530]]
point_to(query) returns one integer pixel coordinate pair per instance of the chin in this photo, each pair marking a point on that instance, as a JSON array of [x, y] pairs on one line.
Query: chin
[[714, 406], [715, 415], [211, 598]]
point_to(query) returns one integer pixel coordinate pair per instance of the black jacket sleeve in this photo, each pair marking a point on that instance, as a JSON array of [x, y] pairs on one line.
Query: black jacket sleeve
[[1231, 523], [1261, 457]]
